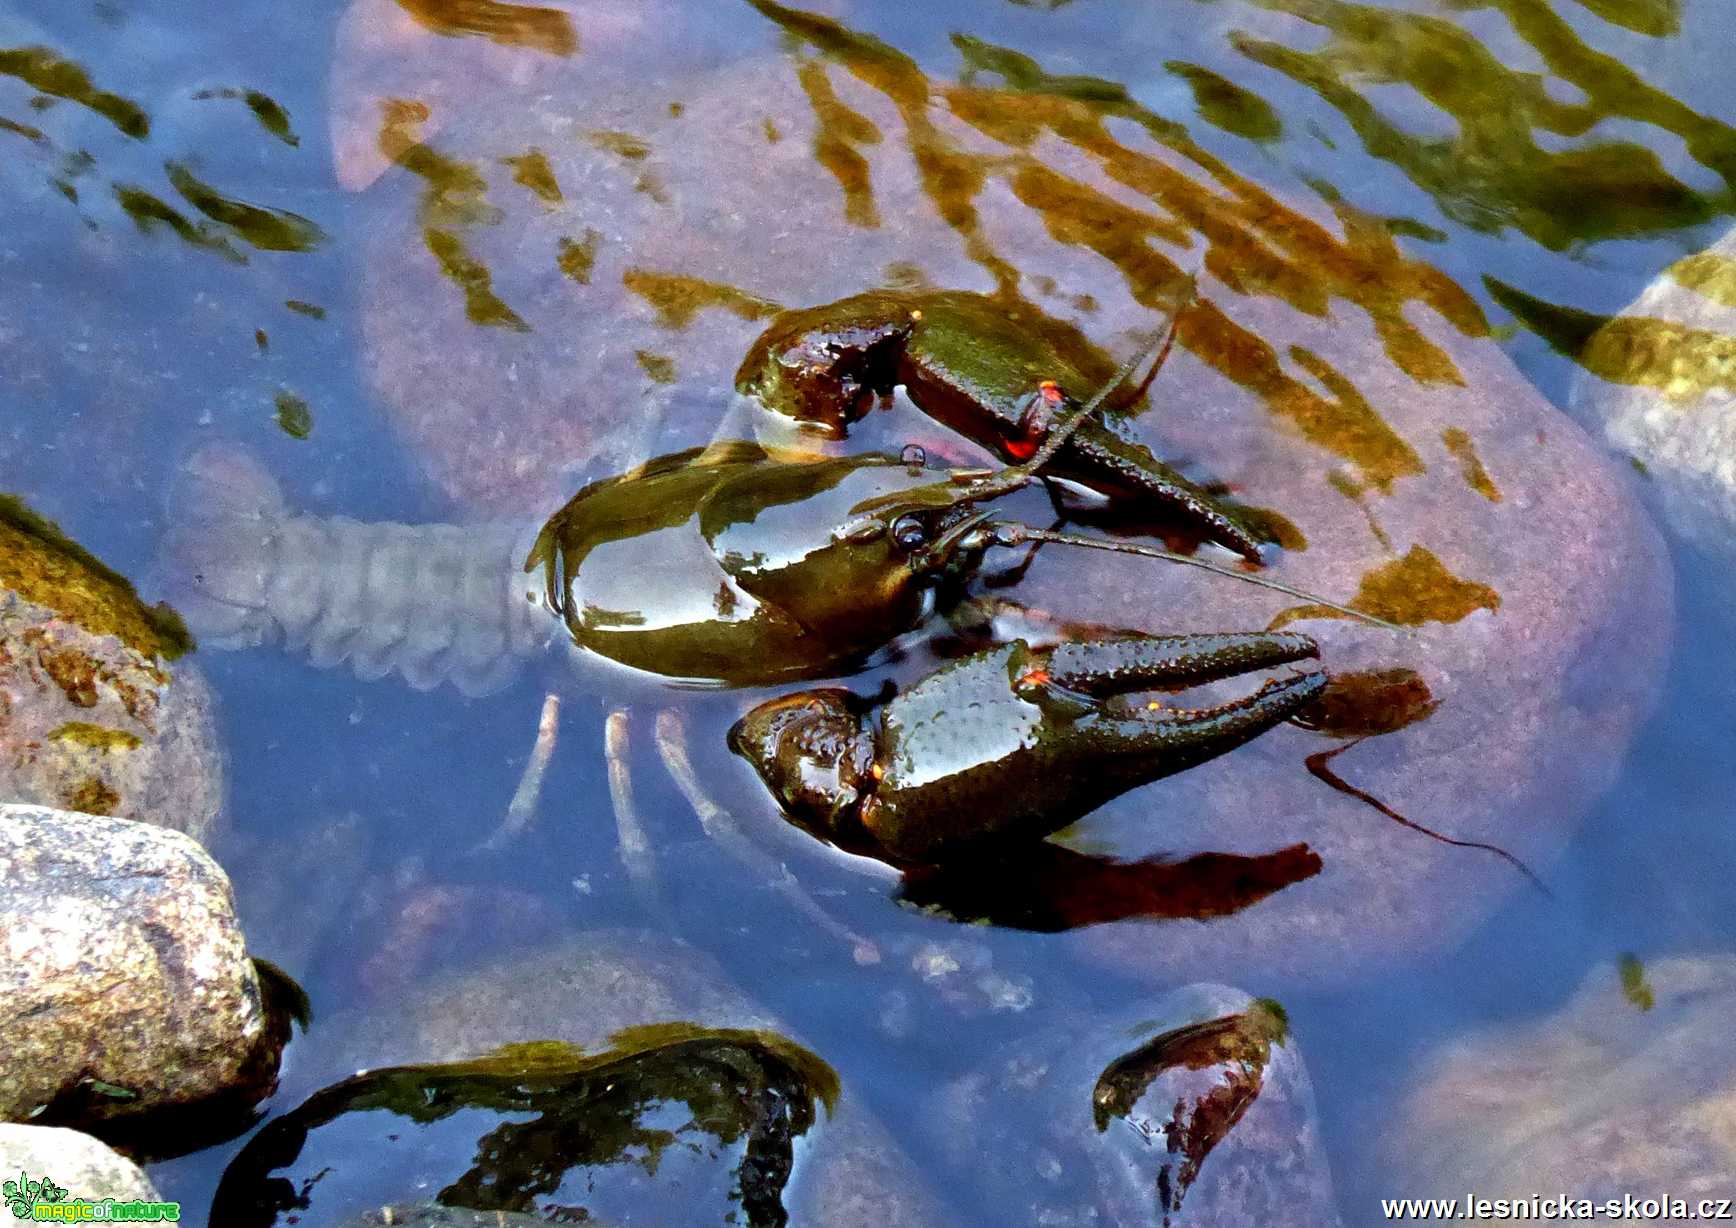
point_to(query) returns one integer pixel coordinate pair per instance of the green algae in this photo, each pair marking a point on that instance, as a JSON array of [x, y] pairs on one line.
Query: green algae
[[677, 298], [1410, 228], [481, 304], [577, 258], [1633, 983], [275, 230], [1410, 591], [150, 213], [90, 796], [454, 198], [837, 134], [1657, 18], [294, 417], [1224, 104], [532, 171], [55, 75], [742, 1088], [621, 144], [1458, 442], [1369, 703], [660, 368], [28, 131], [267, 110], [454, 193], [1240, 1043], [511, 25], [1680, 361], [311, 310], [1708, 274], [97, 737]]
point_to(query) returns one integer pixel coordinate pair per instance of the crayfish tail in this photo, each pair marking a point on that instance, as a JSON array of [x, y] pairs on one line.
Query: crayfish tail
[[432, 603]]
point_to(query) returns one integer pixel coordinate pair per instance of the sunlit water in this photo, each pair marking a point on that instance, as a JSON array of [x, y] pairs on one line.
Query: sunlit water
[[127, 340]]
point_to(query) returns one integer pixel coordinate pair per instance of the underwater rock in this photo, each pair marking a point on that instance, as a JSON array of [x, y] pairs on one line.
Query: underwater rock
[[1536, 600], [611, 994], [1661, 376], [86, 1167], [1198, 1110], [126, 989], [584, 326], [1628, 1089], [317, 903], [99, 712]]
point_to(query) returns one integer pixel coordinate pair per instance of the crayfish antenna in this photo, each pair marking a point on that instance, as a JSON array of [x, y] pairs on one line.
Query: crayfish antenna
[[1160, 348], [1011, 533]]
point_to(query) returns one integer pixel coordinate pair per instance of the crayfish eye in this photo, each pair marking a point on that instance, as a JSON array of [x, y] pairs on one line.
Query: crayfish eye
[[909, 532]]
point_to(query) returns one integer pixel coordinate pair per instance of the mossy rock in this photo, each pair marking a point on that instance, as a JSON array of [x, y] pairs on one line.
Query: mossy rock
[[46, 567], [92, 715]]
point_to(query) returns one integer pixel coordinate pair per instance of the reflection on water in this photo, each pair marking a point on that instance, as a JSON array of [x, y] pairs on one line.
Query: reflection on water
[[1494, 172], [705, 1120], [564, 223], [1232, 1052]]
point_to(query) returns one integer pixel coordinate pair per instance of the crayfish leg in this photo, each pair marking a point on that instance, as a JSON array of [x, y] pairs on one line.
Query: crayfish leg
[[720, 825], [521, 811], [633, 841]]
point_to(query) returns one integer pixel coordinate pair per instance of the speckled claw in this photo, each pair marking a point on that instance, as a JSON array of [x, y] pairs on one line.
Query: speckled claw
[[996, 371], [1013, 743]]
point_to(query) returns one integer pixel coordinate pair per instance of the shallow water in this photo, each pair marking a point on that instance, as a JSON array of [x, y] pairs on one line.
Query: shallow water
[[134, 327]]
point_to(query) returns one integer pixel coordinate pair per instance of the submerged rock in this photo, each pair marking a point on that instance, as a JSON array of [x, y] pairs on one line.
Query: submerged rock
[[1198, 1111], [126, 989], [1628, 1089], [1536, 599], [86, 1167], [610, 1003], [1661, 376], [320, 906], [97, 711]]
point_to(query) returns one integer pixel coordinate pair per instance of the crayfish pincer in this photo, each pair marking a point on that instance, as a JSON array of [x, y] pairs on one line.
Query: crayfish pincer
[[1013, 743], [997, 371]]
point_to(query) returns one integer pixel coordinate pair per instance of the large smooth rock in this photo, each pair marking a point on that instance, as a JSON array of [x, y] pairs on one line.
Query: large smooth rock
[[1661, 375], [1536, 598], [125, 985], [86, 1167], [99, 711], [1197, 1110], [1322, 374], [315, 904], [605, 990], [1628, 1089]]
